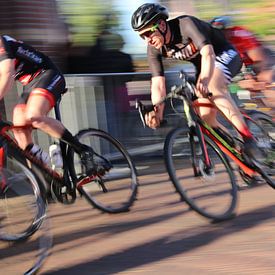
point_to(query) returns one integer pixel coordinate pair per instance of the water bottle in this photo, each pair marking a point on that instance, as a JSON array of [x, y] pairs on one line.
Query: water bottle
[[56, 157]]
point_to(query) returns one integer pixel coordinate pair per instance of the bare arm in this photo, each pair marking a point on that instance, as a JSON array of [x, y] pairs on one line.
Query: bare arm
[[158, 89], [158, 92], [207, 68], [6, 76]]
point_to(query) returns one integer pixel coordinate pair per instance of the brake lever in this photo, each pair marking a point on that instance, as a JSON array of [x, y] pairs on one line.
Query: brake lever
[[142, 110]]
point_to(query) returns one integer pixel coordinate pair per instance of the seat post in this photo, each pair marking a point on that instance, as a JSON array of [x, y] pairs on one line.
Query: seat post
[[57, 110], [57, 105]]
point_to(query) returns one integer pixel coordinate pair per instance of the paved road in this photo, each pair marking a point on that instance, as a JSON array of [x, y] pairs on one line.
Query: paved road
[[160, 236]]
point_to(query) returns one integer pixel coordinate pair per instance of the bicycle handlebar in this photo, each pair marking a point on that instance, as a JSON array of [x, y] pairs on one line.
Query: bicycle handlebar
[[176, 92]]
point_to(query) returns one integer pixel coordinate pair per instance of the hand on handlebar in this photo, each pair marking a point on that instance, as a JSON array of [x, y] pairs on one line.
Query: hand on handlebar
[[150, 116], [153, 118]]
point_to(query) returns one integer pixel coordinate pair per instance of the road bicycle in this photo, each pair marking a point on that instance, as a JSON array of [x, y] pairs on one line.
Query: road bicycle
[[197, 158], [258, 116], [27, 185], [256, 96]]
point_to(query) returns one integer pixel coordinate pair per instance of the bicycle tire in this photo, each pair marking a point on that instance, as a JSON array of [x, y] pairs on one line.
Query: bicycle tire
[[116, 190], [27, 257], [22, 205], [263, 129], [212, 205], [24, 228]]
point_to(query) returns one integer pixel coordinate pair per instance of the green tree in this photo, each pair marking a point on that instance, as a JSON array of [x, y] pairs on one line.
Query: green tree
[[86, 19], [257, 15]]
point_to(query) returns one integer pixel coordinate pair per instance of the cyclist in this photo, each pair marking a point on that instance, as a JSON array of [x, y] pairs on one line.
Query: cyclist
[[253, 53], [43, 84], [189, 39]]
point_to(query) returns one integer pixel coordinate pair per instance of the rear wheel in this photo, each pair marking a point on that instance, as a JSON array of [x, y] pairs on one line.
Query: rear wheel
[[210, 192], [115, 189], [263, 129]]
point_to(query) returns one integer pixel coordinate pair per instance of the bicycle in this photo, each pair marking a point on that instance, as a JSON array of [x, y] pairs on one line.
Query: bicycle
[[253, 96], [27, 185], [209, 187]]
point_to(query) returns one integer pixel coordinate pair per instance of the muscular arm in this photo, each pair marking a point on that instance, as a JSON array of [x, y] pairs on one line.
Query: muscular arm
[[6, 76], [158, 91], [207, 68]]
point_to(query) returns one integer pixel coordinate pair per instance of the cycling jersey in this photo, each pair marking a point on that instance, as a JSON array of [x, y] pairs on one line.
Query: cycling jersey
[[33, 69], [189, 35], [243, 40], [28, 61]]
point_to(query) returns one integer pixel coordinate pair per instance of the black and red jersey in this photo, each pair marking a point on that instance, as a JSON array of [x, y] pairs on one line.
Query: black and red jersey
[[243, 40], [28, 61]]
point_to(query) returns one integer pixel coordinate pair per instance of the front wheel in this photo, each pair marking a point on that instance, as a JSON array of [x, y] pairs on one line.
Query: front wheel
[[22, 207], [210, 192], [115, 190], [24, 248]]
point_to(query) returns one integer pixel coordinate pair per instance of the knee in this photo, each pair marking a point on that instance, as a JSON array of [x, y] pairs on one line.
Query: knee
[[208, 117], [19, 114], [34, 120]]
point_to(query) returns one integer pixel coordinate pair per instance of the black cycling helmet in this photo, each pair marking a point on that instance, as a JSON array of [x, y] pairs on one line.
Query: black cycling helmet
[[221, 22], [148, 13]]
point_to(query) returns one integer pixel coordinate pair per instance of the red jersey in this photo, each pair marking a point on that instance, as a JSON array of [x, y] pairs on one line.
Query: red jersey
[[243, 40]]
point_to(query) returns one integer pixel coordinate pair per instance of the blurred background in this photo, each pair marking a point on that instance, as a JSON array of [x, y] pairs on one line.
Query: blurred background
[[105, 61], [67, 29]]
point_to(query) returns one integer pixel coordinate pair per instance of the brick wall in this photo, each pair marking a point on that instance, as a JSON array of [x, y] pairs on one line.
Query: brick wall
[[36, 22]]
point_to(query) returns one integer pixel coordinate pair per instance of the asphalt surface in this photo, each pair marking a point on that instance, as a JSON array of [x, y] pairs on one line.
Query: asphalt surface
[[159, 236]]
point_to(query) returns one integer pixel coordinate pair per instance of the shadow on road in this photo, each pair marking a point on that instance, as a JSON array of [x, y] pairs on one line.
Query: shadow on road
[[163, 247]]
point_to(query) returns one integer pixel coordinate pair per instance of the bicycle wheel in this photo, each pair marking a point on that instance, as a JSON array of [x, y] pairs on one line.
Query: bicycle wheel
[[116, 190], [263, 129], [22, 207], [27, 257], [212, 193]]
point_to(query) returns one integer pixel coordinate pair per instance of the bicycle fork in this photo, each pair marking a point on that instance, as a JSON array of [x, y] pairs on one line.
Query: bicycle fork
[[196, 131]]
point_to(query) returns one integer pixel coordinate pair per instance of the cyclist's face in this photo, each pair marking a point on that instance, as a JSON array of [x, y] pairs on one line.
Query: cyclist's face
[[152, 36]]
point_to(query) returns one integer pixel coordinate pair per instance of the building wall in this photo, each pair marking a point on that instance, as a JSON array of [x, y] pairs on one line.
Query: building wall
[[36, 22]]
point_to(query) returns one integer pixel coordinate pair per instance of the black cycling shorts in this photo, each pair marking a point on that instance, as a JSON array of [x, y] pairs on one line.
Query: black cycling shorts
[[49, 83], [229, 62]]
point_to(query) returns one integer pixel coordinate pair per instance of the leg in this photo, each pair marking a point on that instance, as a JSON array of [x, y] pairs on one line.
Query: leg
[[38, 106], [36, 114], [222, 99], [208, 114], [23, 136]]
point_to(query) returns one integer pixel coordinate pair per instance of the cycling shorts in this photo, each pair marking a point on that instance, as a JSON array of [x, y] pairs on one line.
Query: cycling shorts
[[49, 83], [229, 62]]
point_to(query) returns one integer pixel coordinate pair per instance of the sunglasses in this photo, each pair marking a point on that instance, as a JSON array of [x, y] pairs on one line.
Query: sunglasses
[[149, 32]]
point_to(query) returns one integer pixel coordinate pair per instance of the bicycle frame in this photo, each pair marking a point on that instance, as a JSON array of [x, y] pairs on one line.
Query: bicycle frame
[[201, 127], [48, 172], [7, 138]]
